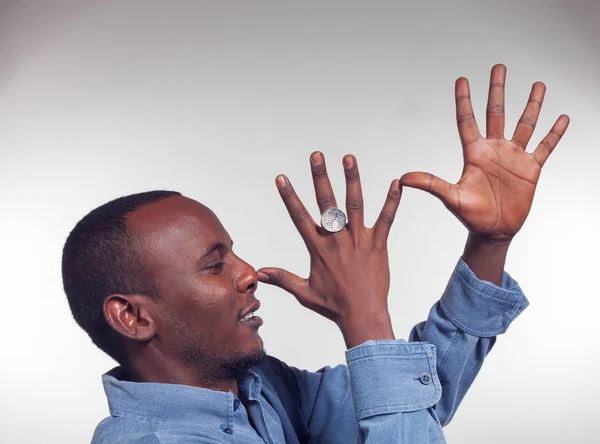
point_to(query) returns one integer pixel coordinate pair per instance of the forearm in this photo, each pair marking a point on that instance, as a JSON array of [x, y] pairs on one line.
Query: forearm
[[486, 257]]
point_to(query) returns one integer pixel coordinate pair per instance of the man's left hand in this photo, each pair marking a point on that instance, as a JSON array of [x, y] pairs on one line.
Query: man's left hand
[[495, 192]]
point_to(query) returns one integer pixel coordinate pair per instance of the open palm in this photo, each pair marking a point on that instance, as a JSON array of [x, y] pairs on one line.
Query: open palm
[[495, 192]]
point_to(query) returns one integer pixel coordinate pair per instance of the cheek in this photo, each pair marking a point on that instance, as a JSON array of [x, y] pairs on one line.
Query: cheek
[[208, 303]]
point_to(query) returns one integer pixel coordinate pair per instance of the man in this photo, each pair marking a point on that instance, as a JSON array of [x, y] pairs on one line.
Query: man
[[154, 281]]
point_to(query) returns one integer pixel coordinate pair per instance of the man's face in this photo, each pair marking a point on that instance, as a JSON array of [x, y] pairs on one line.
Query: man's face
[[204, 289]]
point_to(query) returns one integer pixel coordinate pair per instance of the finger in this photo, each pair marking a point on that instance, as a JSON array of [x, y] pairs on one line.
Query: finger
[[431, 184], [323, 190], [354, 196], [295, 285], [465, 119], [303, 221], [526, 125], [547, 145], [289, 282], [388, 213], [495, 105]]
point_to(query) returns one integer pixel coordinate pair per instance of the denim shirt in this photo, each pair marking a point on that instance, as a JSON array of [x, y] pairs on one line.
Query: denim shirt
[[391, 391]]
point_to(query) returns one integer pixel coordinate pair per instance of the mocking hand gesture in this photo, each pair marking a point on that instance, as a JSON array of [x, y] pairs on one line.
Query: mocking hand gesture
[[495, 192], [349, 276]]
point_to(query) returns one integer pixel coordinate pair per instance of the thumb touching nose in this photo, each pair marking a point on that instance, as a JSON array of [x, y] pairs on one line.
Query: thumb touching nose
[[285, 280]]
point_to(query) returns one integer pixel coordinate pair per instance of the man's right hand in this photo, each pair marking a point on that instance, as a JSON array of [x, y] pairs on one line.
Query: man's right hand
[[349, 276]]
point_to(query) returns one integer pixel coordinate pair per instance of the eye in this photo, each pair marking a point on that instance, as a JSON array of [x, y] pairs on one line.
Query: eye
[[216, 268]]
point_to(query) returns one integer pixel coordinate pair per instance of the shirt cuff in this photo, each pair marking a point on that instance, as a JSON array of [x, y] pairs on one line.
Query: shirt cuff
[[392, 376], [481, 308]]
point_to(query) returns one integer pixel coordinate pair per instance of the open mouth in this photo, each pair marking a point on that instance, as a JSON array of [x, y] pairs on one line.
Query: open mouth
[[250, 319], [247, 317]]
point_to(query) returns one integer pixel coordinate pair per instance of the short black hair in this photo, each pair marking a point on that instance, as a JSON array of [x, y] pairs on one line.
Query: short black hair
[[99, 258]]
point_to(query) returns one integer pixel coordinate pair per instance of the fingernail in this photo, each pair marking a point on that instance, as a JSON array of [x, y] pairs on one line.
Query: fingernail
[[348, 162], [280, 181], [317, 158], [396, 184], [262, 276]]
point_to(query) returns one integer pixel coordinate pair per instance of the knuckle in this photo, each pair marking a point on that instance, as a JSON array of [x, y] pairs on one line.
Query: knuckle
[[280, 278], [527, 122], [394, 196], [386, 217], [352, 175], [496, 109], [355, 204], [325, 202], [430, 184], [466, 118], [298, 215], [319, 171]]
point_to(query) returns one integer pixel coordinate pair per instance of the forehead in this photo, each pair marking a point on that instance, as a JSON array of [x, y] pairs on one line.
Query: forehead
[[175, 224]]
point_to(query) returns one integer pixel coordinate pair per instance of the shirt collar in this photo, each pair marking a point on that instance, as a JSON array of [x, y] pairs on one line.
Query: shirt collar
[[174, 402]]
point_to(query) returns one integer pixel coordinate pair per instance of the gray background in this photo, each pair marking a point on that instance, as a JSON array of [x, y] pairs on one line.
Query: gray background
[[214, 99]]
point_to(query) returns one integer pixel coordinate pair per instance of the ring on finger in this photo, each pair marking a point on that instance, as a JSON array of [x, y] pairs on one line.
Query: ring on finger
[[333, 220]]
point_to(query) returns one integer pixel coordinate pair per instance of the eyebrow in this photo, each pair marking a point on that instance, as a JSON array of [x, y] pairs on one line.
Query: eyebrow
[[219, 245]]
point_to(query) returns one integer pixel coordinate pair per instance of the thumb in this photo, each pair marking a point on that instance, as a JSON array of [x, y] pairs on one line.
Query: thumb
[[429, 183], [283, 279]]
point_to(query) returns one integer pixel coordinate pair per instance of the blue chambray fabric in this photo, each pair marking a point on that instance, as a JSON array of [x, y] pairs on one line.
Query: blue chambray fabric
[[389, 391]]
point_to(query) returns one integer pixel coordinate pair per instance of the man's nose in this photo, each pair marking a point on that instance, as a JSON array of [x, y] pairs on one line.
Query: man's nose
[[247, 279]]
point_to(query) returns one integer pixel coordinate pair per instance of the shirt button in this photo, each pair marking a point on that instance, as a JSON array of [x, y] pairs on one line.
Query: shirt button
[[228, 430], [236, 404], [425, 379]]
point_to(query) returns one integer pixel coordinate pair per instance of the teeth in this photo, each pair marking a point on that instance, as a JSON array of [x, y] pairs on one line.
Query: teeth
[[248, 316]]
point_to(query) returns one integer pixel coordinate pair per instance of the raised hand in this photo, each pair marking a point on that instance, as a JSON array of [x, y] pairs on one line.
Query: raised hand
[[495, 192], [349, 276]]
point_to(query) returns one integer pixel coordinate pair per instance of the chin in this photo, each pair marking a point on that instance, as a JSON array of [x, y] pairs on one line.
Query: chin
[[256, 353], [255, 347], [237, 366]]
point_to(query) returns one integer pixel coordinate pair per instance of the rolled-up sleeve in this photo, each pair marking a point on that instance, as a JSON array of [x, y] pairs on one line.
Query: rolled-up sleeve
[[479, 307], [463, 326]]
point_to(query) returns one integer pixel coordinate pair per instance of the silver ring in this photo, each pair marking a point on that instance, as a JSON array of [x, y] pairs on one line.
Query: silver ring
[[333, 220]]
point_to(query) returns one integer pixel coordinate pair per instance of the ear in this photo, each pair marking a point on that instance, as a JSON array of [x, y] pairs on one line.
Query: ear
[[130, 316]]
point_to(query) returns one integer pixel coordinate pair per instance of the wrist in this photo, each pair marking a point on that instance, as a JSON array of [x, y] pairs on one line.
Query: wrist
[[488, 246], [361, 326], [491, 239], [486, 256]]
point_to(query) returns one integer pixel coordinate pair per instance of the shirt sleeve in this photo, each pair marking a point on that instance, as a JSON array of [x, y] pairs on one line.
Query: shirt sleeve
[[463, 326], [398, 391], [385, 394], [394, 386]]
